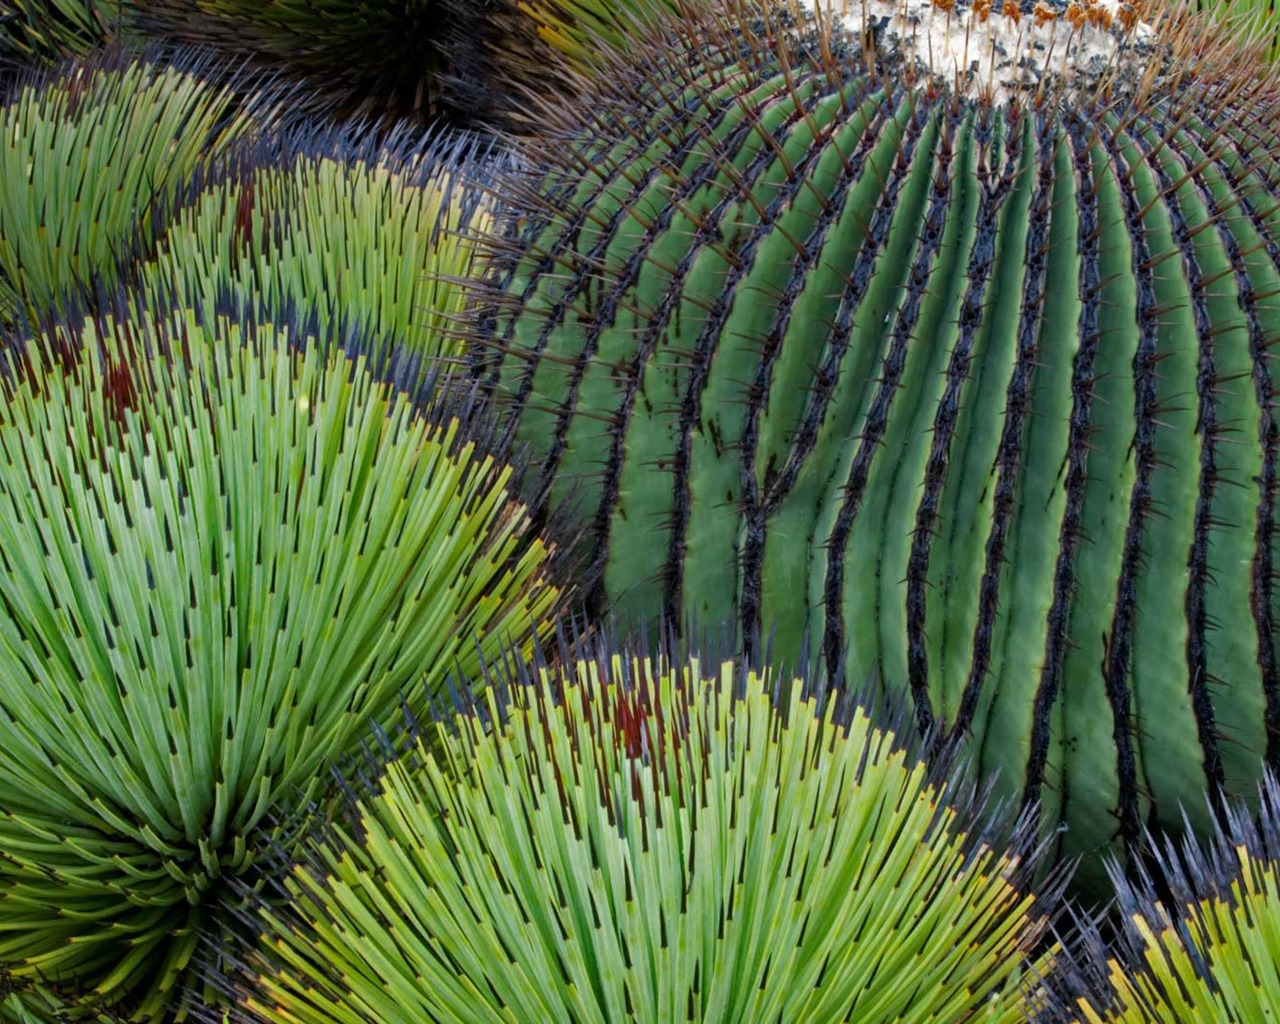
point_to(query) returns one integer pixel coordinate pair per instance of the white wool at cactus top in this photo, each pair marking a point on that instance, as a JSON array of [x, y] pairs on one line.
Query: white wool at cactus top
[[999, 47]]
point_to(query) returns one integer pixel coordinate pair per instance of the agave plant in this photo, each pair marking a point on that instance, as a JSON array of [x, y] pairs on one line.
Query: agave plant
[[226, 550], [630, 839], [511, 53], [578, 28], [88, 151], [42, 31], [1201, 938], [1258, 16], [961, 382], [36, 1005], [335, 226]]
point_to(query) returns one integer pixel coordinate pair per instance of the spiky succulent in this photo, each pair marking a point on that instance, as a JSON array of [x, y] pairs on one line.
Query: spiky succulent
[[959, 381], [371, 235], [633, 839], [87, 152], [578, 28], [226, 552], [1257, 16], [1201, 933], [48, 30], [509, 50], [30, 1004]]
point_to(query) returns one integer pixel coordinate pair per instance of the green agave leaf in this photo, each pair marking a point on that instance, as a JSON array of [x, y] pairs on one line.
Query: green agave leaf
[[1260, 17], [504, 52], [378, 237], [33, 1005], [224, 553], [1210, 953], [48, 30], [576, 28], [641, 840], [85, 155]]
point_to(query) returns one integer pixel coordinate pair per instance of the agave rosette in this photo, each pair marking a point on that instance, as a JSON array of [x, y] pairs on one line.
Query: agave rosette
[[376, 235], [1257, 16], [577, 28], [88, 152], [47, 30], [1200, 941], [631, 839], [356, 57], [226, 552]]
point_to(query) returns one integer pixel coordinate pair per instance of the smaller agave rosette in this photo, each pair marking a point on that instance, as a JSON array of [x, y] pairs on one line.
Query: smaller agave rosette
[[90, 151], [1201, 932], [650, 840], [343, 227]]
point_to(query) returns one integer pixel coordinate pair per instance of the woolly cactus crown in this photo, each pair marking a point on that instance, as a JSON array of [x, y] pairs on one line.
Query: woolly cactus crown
[[1002, 48]]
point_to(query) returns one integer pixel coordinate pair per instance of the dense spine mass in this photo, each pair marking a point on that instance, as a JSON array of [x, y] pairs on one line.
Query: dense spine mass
[[975, 399]]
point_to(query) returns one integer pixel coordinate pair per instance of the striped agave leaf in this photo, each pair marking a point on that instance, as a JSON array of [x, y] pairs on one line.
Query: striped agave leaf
[[642, 840], [1204, 947], [338, 228], [963, 383], [225, 551], [87, 151]]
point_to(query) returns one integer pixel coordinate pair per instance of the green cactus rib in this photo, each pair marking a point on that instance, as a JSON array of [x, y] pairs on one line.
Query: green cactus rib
[[973, 399]]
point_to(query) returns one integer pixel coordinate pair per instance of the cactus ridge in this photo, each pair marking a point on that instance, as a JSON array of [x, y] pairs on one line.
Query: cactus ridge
[[974, 398]]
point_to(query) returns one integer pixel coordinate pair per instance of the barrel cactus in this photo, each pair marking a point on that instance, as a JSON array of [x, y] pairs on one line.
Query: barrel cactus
[[228, 552], [933, 342], [646, 840]]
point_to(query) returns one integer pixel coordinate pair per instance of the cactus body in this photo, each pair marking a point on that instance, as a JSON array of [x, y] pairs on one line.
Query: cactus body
[[972, 398]]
